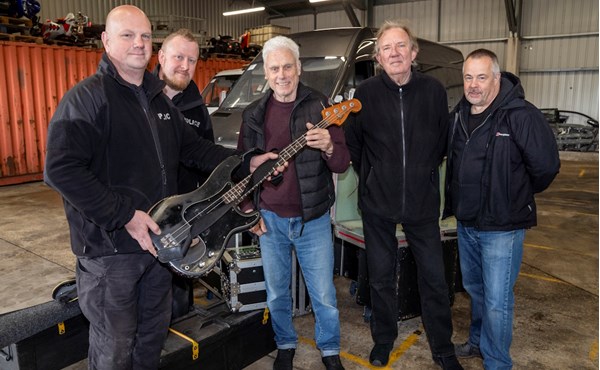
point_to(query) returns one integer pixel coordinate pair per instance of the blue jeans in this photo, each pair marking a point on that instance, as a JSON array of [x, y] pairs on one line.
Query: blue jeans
[[314, 247], [490, 262]]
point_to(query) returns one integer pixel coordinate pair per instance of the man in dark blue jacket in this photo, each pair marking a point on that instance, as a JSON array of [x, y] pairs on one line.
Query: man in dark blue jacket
[[397, 143], [114, 146], [501, 152]]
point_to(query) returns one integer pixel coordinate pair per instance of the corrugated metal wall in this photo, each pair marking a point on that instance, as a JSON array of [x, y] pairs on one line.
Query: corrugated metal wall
[[559, 54], [558, 57], [33, 79], [323, 20]]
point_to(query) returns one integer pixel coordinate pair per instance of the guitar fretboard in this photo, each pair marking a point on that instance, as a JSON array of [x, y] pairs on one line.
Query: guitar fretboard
[[238, 192]]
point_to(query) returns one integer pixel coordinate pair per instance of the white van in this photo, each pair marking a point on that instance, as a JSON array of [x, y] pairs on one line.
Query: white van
[[217, 89]]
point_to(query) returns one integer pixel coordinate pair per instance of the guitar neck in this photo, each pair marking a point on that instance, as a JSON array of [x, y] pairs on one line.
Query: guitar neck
[[238, 192], [334, 114]]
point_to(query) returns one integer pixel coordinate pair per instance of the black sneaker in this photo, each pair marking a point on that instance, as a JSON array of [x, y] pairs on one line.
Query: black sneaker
[[448, 363], [380, 354], [466, 350], [284, 359], [332, 362]]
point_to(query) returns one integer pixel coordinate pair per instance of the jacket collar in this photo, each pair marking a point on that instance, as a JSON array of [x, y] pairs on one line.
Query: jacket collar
[[392, 85], [151, 84]]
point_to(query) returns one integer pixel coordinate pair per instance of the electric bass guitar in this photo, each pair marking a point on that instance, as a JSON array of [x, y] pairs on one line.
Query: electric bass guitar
[[196, 226]]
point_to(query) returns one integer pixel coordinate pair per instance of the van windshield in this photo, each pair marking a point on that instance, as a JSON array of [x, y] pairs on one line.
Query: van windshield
[[318, 73]]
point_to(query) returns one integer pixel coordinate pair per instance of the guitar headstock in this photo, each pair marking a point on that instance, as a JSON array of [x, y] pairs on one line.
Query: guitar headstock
[[337, 114]]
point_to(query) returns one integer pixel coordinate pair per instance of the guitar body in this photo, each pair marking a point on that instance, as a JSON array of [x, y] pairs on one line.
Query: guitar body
[[195, 227]]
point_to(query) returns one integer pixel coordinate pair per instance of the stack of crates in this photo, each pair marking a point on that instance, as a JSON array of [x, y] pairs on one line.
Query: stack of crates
[[260, 35]]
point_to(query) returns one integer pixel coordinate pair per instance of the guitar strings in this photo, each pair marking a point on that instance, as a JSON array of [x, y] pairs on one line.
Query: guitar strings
[[237, 189]]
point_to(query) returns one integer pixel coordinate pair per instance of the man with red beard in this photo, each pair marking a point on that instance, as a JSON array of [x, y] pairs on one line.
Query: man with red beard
[[178, 57]]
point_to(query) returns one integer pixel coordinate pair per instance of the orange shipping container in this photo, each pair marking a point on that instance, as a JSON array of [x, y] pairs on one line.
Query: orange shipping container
[[33, 79]]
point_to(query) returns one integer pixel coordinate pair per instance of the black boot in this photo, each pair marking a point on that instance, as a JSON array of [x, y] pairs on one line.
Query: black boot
[[285, 359], [448, 363], [380, 354], [332, 362]]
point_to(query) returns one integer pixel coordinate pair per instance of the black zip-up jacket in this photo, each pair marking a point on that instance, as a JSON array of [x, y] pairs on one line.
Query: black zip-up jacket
[[494, 172], [112, 150], [317, 192], [191, 104], [397, 142]]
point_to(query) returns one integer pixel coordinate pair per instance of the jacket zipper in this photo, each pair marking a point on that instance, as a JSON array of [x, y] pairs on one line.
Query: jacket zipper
[[163, 171], [403, 152], [467, 141]]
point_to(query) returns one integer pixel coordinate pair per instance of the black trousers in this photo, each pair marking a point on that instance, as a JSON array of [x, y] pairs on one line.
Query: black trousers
[[382, 251], [127, 299]]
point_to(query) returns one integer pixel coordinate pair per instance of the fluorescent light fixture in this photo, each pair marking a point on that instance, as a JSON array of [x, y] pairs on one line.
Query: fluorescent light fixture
[[317, 1], [244, 11]]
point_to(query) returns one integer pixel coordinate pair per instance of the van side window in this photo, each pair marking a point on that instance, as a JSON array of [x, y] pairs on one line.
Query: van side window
[[360, 71]]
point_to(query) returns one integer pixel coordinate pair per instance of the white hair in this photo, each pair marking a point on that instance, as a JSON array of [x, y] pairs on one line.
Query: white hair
[[281, 42]]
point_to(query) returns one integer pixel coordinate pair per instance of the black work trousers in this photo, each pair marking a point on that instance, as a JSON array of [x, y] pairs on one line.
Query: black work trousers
[[127, 299], [382, 251]]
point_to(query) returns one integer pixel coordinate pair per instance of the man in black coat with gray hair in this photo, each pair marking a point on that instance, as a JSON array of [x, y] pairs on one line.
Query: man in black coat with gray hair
[[501, 152]]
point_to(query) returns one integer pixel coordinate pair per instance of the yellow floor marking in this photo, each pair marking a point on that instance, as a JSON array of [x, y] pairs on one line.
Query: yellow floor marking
[[538, 246], [394, 356], [404, 346], [594, 351], [556, 249], [539, 277]]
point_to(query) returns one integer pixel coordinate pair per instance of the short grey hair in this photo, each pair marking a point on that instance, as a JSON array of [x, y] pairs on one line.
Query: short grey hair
[[281, 42], [481, 53]]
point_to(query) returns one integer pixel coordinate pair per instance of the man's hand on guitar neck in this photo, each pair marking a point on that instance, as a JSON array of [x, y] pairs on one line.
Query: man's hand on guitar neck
[[319, 138], [138, 228], [257, 160]]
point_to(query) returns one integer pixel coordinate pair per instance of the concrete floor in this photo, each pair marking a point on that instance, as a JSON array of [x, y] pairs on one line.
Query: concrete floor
[[556, 319]]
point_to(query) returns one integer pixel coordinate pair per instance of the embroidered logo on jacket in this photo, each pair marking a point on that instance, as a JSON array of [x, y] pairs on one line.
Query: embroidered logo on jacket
[[501, 134], [192, 122], [164, 116]]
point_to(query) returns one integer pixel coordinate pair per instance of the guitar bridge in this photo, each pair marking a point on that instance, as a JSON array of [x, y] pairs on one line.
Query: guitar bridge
[[168, 241]]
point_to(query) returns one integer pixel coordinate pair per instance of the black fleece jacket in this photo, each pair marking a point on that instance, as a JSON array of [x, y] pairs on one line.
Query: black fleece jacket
[[114, 148], [191, 104], [397, 142], [494, 172]]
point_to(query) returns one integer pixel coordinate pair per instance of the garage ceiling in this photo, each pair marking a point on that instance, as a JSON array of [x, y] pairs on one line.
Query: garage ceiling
[[291, 8]]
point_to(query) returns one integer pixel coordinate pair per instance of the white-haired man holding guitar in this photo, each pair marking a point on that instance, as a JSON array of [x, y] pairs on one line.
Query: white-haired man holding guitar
[[295, 208]]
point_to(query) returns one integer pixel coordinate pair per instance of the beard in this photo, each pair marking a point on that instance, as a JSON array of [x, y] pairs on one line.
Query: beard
[[177, 85]]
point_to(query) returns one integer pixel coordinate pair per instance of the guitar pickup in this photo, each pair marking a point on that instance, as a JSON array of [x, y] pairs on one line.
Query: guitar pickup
[[171, 250]]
